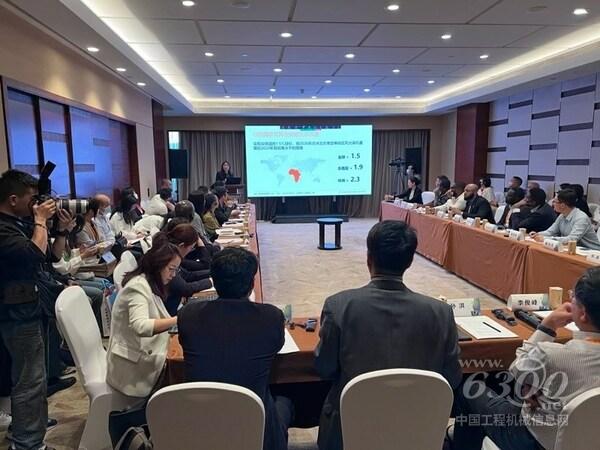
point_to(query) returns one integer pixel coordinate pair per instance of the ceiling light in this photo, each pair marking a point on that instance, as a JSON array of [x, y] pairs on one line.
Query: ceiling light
[[141, 84], [446, 36], [209, 54], [93, 49], [286, 35], [327, 81], [244, 55], [272, 90], [227, 96], [277, 69], [349, 55], [431, 82], [398, 96], [313, 97], [367, 90], [188, 3], [484, 56], [396, 70], [121, 69], [220, 80], [393, 7], [580, 11], [240, 4]]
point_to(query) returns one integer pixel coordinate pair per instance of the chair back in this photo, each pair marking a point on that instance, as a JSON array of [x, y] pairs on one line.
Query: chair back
[[428, 197], [214, 416], [79, 328], [127, 264], [389, 409], [579, 429]]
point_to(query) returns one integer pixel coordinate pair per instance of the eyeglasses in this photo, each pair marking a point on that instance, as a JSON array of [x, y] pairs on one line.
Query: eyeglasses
[[174, 270]]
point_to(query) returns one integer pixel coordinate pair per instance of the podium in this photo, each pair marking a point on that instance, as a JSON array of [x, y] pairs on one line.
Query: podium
[[237, 191]]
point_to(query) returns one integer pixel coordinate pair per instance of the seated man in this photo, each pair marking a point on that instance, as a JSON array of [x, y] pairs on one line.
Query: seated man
[[223, 211], [505, 212], [101, 220], [548, 375], [537, 216], [572, 224], [381, 326], [233, 340], [158, 205], [442, 191], [456, 200], [477, 206]]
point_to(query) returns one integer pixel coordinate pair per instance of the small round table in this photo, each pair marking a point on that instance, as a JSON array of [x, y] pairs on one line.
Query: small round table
[[323, 221]]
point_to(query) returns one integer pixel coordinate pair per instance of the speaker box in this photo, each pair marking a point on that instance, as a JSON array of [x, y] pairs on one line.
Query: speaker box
[[178, 163]]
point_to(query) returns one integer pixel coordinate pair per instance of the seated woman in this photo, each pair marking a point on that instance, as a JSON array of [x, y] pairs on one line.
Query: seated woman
[[211, 224], [187, 210], [125, 216], [186, 282], [413, 193], [138, 343], [487, 191]]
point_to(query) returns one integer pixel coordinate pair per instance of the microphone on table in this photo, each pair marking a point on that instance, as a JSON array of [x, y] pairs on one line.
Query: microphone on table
[[527, 317], [503, 315]]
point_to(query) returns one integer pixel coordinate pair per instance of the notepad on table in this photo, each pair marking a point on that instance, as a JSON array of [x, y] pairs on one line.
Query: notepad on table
[[289, 346], [482, 327]]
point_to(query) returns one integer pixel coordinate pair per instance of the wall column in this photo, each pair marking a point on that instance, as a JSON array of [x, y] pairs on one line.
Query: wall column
[[471, 142]]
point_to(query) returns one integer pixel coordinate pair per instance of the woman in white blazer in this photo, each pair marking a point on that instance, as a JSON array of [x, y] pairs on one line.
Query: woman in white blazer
[[138, 343]]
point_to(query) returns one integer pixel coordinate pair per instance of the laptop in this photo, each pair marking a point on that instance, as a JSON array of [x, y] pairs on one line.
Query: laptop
[[234, 180]]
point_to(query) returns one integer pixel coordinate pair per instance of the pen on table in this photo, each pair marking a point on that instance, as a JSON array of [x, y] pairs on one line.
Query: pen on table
[[493, 328]]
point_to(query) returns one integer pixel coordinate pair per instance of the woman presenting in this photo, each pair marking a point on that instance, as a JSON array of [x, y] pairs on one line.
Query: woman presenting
[[225, 173]]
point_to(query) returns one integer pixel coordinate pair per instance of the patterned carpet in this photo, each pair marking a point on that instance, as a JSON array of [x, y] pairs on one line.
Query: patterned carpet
[[294, 271]]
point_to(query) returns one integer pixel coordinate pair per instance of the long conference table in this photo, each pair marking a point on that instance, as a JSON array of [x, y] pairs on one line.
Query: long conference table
[[294, 374]]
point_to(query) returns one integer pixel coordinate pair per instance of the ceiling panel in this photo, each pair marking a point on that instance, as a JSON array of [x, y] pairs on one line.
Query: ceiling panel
[[466, 55], [317, 81], [168, 68], [267, 69], [363, 54], [267, 33], [204, 9], [545, 36], [417, 81], [468, 71], [225, 53], [392, 35], [556, 12], [210, 91], [422, 11], [232, 80], [385, 70], [156, 31]]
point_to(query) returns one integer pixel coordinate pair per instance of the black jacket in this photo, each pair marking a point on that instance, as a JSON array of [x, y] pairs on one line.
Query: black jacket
[[478, 206], [416, 197], [185, 284], [382, 325], [222, 213], [537, 220], [235, 341]]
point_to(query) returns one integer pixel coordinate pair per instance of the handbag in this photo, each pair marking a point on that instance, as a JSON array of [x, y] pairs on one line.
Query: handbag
[[121, 422], [135, 438]]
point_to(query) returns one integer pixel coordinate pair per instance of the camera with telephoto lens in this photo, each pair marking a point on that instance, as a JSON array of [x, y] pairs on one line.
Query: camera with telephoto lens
[[76, 206]]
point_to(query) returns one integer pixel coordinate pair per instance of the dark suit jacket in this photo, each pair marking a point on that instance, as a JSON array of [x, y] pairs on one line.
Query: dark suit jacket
[[382, 325], [534, 220], [478, 206], [417, 198], [222, 213], [235, 341]]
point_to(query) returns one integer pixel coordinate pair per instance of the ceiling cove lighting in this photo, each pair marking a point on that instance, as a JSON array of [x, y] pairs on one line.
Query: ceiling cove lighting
[[121, 69], [188, 3], [446, 36], [393, 7], [398, 96], [286, 35], [93, 49], [580, 11]]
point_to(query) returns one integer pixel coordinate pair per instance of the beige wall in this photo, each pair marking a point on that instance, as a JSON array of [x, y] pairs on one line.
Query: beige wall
[[448, 153], [37, 61], [433, 123]]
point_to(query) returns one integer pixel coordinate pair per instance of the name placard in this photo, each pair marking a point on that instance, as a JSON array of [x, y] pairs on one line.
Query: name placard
[[593, 256], [515, 235], [490, 227], [470, 221], [552, 244], [465, 307], [457, 218], [529, 302]]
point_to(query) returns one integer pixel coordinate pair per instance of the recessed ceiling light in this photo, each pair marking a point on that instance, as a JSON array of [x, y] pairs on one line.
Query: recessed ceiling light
[[327, 81], [227, 96], [396, 70], [484, 56], [244, 55], [286, 35], [398, 96], [272, 90], [431, 82], [580, 11], [393, 7], [220, 80], [313, 97], [240, 4], [209, 54], [278, 69], [141, 83], [121, 69], [188, 3], [93, 49], [446, 36], [349, 55], [367, 90]]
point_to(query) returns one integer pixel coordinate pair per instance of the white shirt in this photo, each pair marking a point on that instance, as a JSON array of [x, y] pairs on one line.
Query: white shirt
[[577, 226], [458, 202], [157, 206], [119, 226], [104, 229]]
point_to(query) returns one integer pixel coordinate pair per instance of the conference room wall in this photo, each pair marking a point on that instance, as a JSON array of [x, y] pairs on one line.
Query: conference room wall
[[37, 62], [550, 135], [439, 143]]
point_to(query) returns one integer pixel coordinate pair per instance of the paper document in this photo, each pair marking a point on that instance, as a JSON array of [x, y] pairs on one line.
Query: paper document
[[289, 346], [481, 327]]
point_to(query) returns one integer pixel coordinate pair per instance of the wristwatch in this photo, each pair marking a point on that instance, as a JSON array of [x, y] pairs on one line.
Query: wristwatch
[[545, 329], [64, 233]]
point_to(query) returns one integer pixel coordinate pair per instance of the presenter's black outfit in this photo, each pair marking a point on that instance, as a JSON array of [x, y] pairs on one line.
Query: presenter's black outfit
[[235, 341], [224, 176]]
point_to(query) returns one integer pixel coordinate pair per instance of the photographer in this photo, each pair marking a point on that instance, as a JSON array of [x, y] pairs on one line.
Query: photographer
[[23, 247]]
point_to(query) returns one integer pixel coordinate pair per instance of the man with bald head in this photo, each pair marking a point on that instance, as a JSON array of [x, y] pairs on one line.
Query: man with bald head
[[477, 206], [101, 220]]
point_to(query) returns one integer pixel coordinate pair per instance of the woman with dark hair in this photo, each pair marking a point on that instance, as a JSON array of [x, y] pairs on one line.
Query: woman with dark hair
[[225, 173], [138, 343], [487, 191], [211, 224], [581, 203], [89, 236], [125, 216], [413, 193], [188, 281]]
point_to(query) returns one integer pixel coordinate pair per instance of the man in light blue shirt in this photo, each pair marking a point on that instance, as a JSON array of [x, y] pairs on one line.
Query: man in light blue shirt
[[101, 220], [572, 224]]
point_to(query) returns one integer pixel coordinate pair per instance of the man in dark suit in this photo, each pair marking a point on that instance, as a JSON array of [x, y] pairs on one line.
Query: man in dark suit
[[233, 340], [477, 206], [538, 216], [223, 212], [382, 325]]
